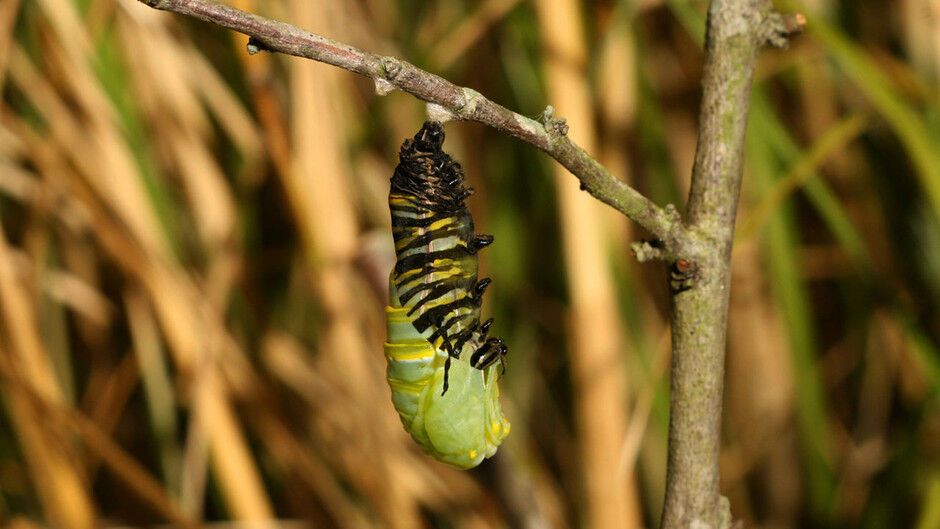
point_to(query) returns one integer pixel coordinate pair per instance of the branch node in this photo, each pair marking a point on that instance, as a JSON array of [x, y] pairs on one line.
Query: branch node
[[554, 126], [254, 44], [439, 113], [383, 87], [648, 250], [392, 67], [778, 28], [683, 275], [547, 114], [673, 214], [468, 106]]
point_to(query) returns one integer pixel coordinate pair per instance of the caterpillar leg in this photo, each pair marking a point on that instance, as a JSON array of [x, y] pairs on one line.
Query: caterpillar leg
[[492, 351], [450, 354], [478, 242], [485, 328], [480, 288]]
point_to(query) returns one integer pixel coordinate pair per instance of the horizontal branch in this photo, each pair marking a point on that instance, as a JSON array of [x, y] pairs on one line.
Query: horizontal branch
[[388, 73]]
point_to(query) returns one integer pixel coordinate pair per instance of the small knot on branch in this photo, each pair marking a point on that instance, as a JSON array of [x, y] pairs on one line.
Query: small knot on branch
[[778, 28], [673, 214], [554, 126], [648, 250], [254, 45], [392, 67], [466, 106], [683, 274], [664, 248]]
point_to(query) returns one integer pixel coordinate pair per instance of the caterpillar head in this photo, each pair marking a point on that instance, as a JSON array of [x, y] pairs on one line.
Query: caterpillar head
[[428, 173]]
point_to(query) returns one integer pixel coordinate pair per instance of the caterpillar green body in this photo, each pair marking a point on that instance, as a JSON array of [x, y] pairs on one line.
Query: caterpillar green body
[[443, 368]]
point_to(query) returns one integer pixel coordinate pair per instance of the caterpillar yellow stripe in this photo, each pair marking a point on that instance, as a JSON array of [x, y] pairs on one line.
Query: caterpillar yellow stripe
[[443, 369]]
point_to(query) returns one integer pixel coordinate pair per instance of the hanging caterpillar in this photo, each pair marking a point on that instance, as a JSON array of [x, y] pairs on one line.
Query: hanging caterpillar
[[442, 366]]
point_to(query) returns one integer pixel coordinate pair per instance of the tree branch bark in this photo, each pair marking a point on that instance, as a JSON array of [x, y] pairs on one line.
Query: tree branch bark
[[459, 102], [736, 32]]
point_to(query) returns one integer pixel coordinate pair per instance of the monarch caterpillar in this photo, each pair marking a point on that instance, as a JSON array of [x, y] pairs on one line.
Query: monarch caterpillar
[[442, 367]]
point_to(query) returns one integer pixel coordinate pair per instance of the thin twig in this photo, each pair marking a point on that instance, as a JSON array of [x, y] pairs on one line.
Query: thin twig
[[462, 103]]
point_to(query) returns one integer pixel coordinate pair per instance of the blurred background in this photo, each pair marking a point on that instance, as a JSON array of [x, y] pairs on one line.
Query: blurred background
[[195, 246]]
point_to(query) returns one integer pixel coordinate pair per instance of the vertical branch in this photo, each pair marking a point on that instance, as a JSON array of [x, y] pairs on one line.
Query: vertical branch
[[737, 30]]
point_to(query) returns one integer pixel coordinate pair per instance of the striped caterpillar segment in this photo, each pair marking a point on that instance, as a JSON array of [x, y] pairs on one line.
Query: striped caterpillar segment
[[442, 366]]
